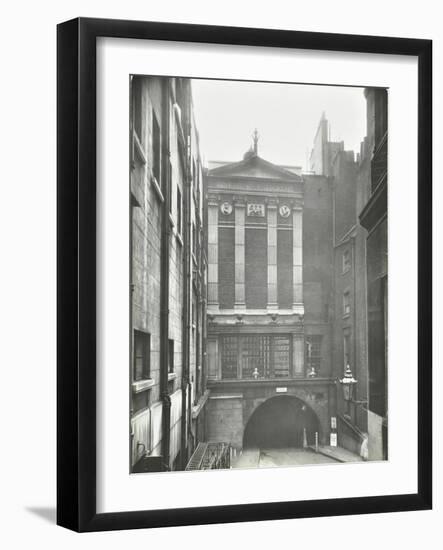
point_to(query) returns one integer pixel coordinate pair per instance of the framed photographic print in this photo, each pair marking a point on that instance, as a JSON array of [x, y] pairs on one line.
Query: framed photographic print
[[230, 347]]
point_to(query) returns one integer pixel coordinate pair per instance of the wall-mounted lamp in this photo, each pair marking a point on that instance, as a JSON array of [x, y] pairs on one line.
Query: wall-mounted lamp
[[348, 383]]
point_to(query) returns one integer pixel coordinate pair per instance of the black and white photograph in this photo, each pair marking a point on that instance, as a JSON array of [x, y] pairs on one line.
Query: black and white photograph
[[258, 274], [219, 285]]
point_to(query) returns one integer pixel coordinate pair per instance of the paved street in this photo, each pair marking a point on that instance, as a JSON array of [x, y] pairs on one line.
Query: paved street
[[269, 458]]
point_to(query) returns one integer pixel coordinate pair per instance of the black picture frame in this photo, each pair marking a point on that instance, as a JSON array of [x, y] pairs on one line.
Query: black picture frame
[[76, 267]]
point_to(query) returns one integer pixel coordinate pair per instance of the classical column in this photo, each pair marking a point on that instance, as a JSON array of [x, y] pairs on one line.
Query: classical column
[[297, 258], [272, 257], [213, 255], [239, 302]]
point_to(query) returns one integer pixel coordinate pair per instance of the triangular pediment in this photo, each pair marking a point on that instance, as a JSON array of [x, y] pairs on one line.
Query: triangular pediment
[[254, 167]]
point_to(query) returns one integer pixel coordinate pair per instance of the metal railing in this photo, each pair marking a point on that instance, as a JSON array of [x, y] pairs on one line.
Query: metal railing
[[210, 456]]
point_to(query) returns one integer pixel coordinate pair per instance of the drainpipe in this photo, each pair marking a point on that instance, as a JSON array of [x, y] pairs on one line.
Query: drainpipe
[[164, 295], [332, 314], [186, 279], [354, 263]]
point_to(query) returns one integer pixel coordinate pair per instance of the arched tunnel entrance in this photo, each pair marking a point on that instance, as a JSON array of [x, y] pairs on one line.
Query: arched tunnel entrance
[[280, 422]]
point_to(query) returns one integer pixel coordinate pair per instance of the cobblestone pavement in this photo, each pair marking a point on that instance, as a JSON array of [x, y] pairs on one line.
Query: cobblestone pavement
[[269, 458]]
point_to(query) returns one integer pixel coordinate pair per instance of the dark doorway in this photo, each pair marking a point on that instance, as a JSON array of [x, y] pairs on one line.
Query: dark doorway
[[280, 422]]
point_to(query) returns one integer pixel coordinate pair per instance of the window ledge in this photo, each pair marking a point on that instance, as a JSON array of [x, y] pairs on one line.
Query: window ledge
[[157, 189], [172, 376], [142, 385]]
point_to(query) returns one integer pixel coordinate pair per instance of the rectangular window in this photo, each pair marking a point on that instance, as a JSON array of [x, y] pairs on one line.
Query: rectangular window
[[142, 353], [171, 355], [137, 106], [346, 303], [194, 240], [168, 178], [229, 356], [313, 353], [256, 268], [179, 211], [346, 351], [281, 365], [284, 269], [256, 357], [226, 267], [193, 316], [346, 260], [194, 327], [156, 149]]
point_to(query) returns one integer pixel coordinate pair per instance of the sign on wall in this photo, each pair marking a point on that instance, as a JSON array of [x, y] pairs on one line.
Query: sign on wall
[[255, 209]]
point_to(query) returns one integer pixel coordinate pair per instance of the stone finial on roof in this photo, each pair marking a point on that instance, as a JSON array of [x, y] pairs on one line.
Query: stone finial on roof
[[255, 137]]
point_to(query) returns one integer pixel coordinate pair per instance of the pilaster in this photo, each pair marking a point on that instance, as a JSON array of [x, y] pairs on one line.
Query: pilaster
[[213, 255], [272, 303], [239, 302]]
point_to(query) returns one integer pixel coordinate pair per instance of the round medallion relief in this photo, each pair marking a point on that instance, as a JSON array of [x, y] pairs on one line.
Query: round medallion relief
[[284, 211], [226, 208]]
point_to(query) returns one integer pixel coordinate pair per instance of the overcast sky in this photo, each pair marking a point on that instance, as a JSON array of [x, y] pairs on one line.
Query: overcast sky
[[286, 116]]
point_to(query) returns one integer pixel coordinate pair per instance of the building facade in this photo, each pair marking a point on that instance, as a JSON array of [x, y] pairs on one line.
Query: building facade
[[269, 298], [167, 276], [348, 308], [297, 296], [374, 219], [359, 313], [257, 291]]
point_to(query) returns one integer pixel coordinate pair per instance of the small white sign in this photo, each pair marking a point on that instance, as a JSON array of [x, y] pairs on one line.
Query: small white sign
[[333, 422], [281, 390], [333, 440]]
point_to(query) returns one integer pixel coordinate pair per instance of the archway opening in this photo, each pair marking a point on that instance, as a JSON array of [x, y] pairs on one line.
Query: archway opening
[[281, 422]]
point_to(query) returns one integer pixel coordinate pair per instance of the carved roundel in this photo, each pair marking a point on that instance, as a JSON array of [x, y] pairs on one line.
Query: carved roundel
[[284, 211], [226, 208]]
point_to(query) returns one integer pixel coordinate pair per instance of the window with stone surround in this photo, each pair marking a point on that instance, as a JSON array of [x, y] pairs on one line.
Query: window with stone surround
[[346, 260], [179, 211], [346, 349], [284, 269], [170, 356], [229, 356], [256, 268], [226, 267], [194, 240], [346, 303], [137, 107], [156, 149], [313, 352], [256, 356], [142, 355]]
